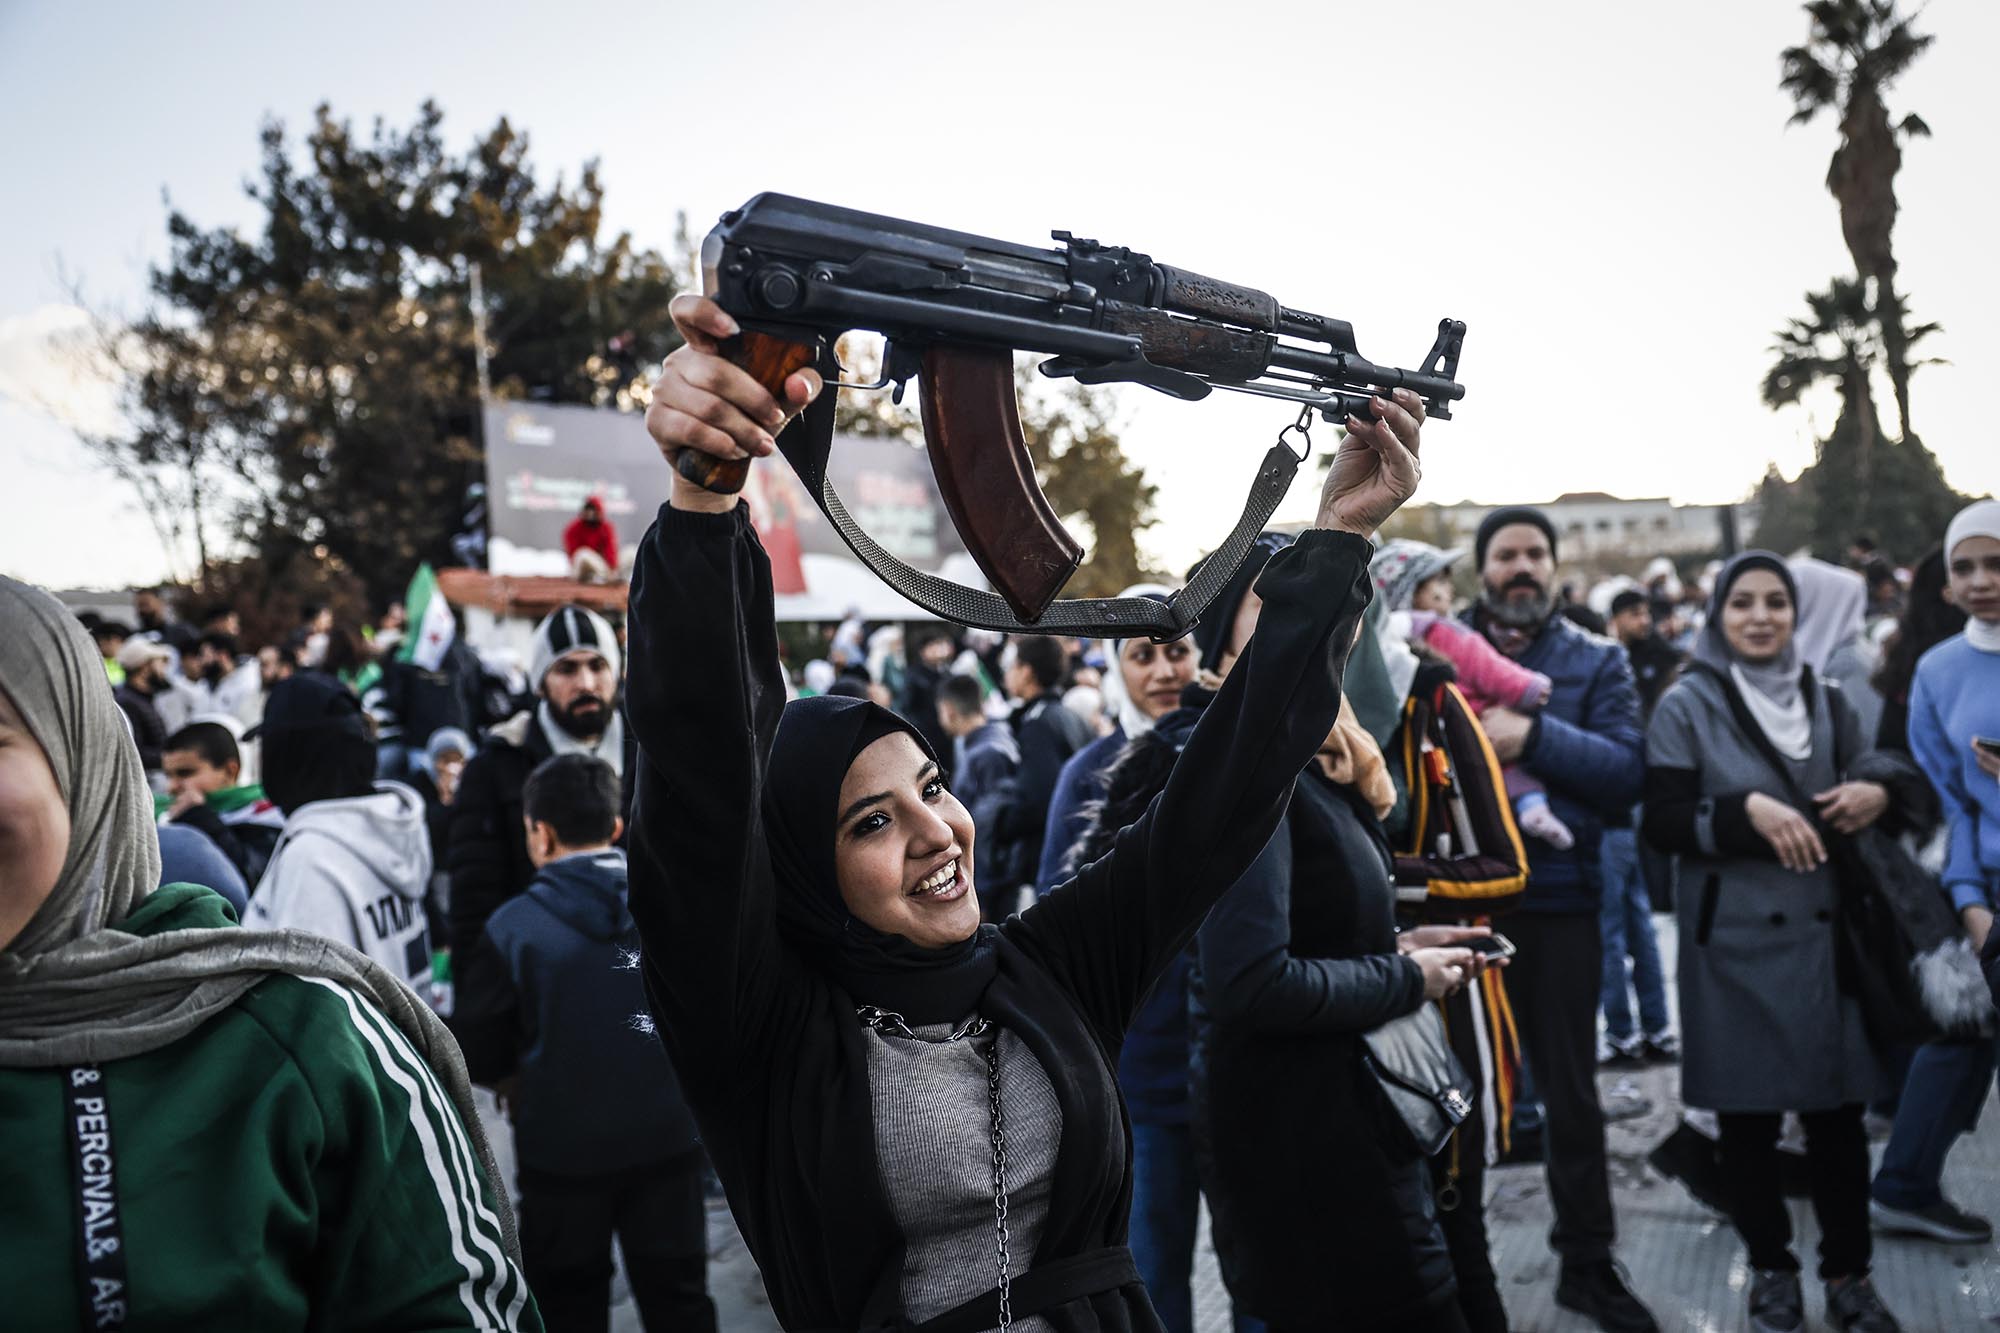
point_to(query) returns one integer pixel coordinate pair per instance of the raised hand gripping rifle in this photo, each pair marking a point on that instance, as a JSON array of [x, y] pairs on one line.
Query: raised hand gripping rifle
[[954, 307]]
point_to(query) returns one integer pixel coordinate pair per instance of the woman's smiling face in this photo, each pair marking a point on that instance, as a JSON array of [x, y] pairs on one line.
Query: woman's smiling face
[[1758, 616], [902, 846], [1154, 673]]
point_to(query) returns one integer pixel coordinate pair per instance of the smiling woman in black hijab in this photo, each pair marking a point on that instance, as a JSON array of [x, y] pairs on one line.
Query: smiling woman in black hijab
[[916, 1117]]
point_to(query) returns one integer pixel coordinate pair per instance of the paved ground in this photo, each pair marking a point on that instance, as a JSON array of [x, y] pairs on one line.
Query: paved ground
[[1685, 1261]]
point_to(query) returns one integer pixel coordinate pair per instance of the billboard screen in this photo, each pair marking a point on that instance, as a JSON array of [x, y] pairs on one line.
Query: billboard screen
[[542, 462]]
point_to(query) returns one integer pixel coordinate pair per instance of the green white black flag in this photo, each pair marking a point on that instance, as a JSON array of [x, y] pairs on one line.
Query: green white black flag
[[432, 628]]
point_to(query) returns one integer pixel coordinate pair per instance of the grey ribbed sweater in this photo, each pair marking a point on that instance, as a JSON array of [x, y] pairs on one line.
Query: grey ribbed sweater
[[934, 1145]]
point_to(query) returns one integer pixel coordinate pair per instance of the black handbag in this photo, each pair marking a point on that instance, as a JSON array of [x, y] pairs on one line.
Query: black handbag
[[1426, 1090]]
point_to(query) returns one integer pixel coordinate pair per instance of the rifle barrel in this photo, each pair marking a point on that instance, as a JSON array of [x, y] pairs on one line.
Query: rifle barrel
[[1345, 368]]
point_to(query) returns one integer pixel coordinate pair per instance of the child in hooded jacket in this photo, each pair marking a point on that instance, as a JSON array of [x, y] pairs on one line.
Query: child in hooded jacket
[[1414, 580]]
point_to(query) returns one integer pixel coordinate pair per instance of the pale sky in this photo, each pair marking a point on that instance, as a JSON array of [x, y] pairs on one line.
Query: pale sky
[[1607, 194]]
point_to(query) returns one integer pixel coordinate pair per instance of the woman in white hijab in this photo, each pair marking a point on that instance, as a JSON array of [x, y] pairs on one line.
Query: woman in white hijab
[[1954, 724], [255, 1130]]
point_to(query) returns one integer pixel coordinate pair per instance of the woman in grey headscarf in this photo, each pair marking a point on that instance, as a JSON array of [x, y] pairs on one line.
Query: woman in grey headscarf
[[205, 1128], [1832, 635], [1747, 758]]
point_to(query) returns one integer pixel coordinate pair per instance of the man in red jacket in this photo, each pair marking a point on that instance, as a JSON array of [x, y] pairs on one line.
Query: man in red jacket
[[591, 543]]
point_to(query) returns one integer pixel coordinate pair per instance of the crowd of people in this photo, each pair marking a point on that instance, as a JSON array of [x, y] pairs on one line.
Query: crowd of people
[[970, 965]]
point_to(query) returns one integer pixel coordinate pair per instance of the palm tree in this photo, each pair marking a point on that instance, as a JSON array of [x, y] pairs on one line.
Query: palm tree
[[1837, 341], [1854, 51], [1841, 339]]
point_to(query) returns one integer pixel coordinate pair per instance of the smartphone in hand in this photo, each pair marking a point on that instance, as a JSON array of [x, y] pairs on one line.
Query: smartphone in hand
[[1491, 946]]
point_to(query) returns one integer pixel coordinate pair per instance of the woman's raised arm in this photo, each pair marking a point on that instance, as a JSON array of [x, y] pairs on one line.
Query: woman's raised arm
[[704, 694], [1110, 931]]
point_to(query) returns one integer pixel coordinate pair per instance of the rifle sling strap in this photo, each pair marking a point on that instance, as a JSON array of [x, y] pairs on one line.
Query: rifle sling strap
[[1096, 617], [806, 442]]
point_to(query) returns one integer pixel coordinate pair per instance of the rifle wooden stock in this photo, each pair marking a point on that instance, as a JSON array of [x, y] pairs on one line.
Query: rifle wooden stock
[[768, 360], [972, 427]]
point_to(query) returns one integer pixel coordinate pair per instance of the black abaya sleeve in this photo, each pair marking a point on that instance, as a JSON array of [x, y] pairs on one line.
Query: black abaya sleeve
[[704, 693], [1251, 978], [1109, 932]]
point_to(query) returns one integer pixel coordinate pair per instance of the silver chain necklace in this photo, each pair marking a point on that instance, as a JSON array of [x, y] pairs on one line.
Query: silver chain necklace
[[893, 1025]]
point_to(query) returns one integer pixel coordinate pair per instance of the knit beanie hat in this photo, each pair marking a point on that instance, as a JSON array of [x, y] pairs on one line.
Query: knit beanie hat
[[1401, 567], [571, 629], [1501, 518]]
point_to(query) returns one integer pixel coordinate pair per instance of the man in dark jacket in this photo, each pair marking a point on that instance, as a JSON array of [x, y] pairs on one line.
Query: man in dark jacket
[[1588, 749], [423, 702], [604, 1138], [923, 677], [1654, 661], [1047, 734], [1630, 873], [144, 662], [985, 759], [575, 676], [156, 621]]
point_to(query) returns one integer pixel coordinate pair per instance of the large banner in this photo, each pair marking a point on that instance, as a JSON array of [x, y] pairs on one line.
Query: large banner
[[543, 462]]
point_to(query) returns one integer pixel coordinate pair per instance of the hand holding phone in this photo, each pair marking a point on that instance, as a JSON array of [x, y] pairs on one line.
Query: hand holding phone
[[1987, 751], [1491, 947]]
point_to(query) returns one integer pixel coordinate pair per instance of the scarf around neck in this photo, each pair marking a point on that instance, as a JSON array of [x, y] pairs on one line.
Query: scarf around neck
[[817, 739], [610, 747], [1771, 690], [1350, 758], [75, 989]]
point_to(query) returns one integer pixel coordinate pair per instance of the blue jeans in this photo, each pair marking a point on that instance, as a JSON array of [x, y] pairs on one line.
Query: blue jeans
[[1942, 1095], [1625, 916], [1166, 1211]]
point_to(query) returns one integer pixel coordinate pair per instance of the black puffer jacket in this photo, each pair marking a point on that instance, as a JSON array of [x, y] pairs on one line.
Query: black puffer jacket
[[1316, 1223]]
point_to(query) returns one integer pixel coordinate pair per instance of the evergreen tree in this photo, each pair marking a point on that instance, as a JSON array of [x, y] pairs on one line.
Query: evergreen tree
[[314, 380]]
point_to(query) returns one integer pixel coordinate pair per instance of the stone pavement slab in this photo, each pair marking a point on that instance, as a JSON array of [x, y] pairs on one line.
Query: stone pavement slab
[[1685, 1261]]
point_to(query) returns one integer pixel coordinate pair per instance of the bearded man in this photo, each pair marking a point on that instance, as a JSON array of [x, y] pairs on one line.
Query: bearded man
[[575, 674], [1588, 748]]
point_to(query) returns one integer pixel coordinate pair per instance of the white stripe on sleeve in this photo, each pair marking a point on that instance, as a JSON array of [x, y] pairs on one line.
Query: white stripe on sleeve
[[457, 1187]]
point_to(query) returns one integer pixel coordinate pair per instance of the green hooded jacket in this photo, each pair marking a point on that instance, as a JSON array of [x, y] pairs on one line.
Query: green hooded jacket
[[291, 1164]]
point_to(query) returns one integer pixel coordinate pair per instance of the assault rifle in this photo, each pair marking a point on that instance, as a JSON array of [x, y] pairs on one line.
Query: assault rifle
[[954, 307]]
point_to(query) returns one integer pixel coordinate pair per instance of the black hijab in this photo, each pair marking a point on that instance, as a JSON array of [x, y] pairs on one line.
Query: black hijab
[[817, 740], [1211, 636]]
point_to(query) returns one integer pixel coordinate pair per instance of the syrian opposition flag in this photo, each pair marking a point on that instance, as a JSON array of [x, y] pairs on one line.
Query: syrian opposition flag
[[432, 628]]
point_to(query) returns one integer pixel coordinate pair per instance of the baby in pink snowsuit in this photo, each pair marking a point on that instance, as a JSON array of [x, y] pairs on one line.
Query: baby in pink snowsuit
[[1414, 580]]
